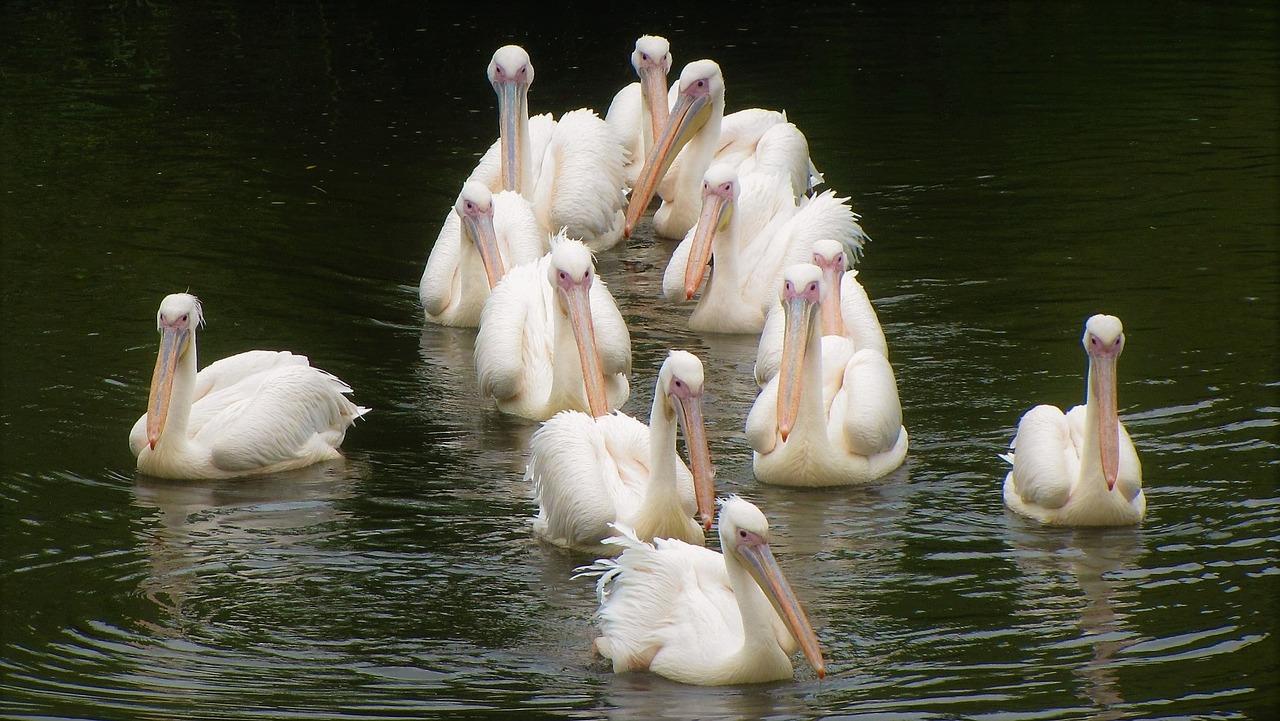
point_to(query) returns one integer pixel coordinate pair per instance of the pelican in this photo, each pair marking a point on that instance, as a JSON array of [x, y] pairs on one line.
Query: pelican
[[698, 131], [571, 170], [700, 617], [846, 311], [589, 473], [1079, 468], [482, 236], [529, 328], [640, 109], [831, 415], [752, 227], [254, 412]]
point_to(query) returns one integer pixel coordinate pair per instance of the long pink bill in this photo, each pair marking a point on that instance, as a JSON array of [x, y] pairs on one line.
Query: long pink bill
[[1102, 376], [764, 568], [695, 441], [172, 341], [513, 108], [832, 314], [687, 117], [653, 89], [480, 229], [578, 303], [716, 212], [795, 344]]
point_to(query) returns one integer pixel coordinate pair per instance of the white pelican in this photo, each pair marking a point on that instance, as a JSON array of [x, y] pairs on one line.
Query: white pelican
[[529, 328], [700, 617], [752, 228], [571, 170], [831, 416], [1081, 468], [483, 235], [589, 473], [846, 311], [699, 132], [254, 412], [640, 109]]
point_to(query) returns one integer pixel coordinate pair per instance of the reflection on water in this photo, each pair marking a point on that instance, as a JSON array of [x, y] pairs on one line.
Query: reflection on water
[[256, 529], [1060, 564]]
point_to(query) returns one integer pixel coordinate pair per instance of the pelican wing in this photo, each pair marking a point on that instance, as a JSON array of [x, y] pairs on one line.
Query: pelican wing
[[583, 472], [1045, 457], [295, 413], [867, 412], [769, 351], [762, 419], [221, 384], [613, 340], [783, 150], [441, 283], [242, 368], [627, 118], [513, 345], [860, 320], [670, 598], [673, 276], [581, 180]]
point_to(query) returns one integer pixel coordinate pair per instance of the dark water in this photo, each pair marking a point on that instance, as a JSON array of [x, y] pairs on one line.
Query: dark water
[[1020, 167]]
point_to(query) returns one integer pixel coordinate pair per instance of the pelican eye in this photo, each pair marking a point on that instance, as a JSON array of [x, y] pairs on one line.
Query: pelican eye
[[183, 319], [813, 287], [564, 275]]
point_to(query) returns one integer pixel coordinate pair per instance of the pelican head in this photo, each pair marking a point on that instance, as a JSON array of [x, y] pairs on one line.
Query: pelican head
[[719, 195], [1104, 342], [511, 73], [744, 535], [179, 316], [652, 61], [680, 384], [832, 257], [701, 91], [571, 273], [475, 209], [802, 290]]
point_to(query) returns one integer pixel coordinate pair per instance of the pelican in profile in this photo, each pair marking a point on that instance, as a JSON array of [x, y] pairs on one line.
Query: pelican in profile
[[640, 109], [589, 473], [697, 133], [1079, 468], [749, 230], [538, 319], [846, 311], [254, 412], [700, 617], [831, 415], [572, 170], [484, 235]]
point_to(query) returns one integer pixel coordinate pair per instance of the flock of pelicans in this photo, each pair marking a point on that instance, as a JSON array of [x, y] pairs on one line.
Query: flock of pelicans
[[762, 252]]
